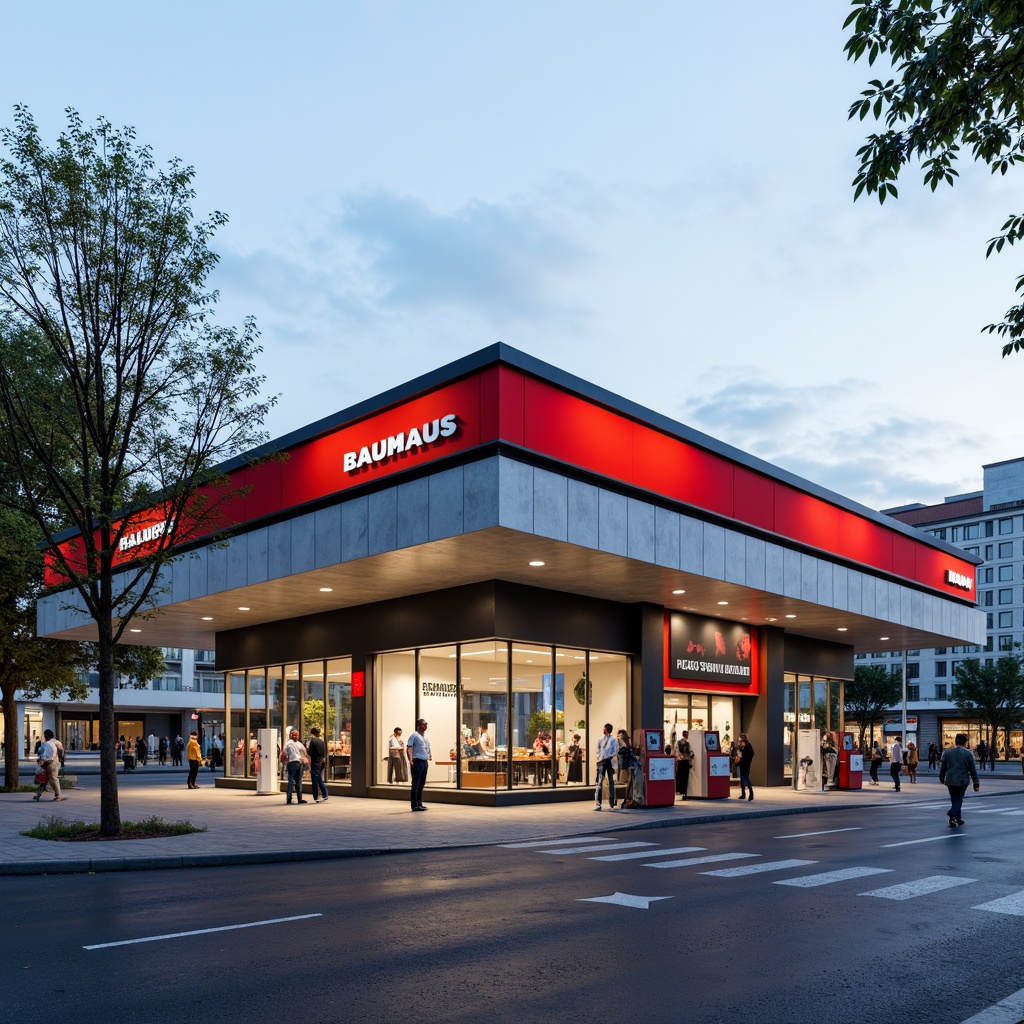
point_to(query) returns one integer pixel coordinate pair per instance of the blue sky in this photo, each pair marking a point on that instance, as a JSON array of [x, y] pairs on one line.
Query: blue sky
[[654, 196]]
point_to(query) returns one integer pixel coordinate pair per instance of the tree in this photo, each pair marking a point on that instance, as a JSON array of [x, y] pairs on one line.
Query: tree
[[119, 395], [872, 692], [992, 693], [960, 85]]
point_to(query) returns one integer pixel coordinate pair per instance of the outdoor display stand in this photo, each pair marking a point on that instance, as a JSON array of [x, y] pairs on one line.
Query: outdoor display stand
[[808, 766], [659, 769], [711, 772], [851, 763], [267, 777]]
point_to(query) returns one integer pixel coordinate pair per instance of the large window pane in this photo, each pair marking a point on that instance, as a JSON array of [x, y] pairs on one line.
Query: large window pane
[[571, 726], [483, 714], [257, 716], [339, 720], [533, 731], [236, 724], [439, 706], [395, 686]]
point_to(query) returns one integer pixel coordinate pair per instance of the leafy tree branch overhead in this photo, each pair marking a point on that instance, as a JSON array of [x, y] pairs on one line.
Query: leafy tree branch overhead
[[958, 86]]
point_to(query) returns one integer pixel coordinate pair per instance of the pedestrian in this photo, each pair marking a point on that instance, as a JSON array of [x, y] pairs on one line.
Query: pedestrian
[[607, 751], [295, 758], [896, 761], [162, 750], [194, 756], [876, 762], [684, 761], [141, 750], [396, 757], [317, 750], [743, 759], [933, 755], [177, 750], [49, 759], [982, 752], [912, 760], [956, 768], [418, 750]]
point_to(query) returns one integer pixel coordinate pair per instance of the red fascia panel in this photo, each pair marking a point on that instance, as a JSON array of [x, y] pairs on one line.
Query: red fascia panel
[[863, 541], [754, 500], [577, 432], [904, 556], [666, 465], [806, 518], [509, 402]]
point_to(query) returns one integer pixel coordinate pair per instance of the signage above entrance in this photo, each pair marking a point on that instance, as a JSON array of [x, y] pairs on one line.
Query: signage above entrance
[[958, 579], [711, 651]]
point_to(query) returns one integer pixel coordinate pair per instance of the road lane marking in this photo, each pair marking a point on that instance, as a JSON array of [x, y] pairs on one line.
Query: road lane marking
[[1006, 905], [590, 849], [650, 853], [829, 877], [756, 869], [1007, 1011], [556, 842], [624, 899], [201, 931], [920, 887], [690, 861], [992, 810], [827, 832], [928, 839]]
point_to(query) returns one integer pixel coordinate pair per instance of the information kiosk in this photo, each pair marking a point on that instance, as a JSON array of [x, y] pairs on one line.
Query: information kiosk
[[267, 778], [710, 775], [851, 763], [659, 769]]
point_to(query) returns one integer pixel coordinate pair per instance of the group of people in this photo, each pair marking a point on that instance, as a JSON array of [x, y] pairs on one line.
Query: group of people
[[137, 753], [900, 761], [741, 752]]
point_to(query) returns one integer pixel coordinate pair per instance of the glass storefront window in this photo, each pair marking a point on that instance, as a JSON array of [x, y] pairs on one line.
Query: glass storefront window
[[483, 716], [235, 733], [571, 689], [534, 749], [395, 701], [339, 720], [257, 717]]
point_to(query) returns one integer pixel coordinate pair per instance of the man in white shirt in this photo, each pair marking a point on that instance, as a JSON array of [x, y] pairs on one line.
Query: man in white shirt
[[484, 743], [896, 762], [48, 759], [607, 751], [419, 761]]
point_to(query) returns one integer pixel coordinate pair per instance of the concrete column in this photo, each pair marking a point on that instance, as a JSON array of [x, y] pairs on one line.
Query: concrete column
[[361, 765], [764, 725], [648, 699]]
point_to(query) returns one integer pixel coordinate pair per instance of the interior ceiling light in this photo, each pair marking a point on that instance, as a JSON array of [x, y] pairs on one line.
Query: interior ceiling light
[[536, 563], [842, 629], [791, 616], [327, 590], [723, 602], [134, 630], [243, 608], [770, 618], [883, 638], [207, 618], [678, 591]]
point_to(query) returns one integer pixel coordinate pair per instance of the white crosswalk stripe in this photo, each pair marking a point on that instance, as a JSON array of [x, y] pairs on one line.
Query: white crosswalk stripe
[[693, 861], [757, 869], [639, 855], [590, 849], [829, 877], [1013, 905], [919, 887], [573, 841]]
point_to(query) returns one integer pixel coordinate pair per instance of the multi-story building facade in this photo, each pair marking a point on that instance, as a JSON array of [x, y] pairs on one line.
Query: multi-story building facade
[[990, 524], [165, 706]]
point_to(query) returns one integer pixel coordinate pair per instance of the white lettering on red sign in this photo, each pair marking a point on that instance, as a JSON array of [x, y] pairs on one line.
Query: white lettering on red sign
[[958, 579], [406, 441], [145, 535]]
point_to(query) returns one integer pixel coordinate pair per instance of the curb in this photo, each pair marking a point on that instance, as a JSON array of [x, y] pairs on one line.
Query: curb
[[166, 862]]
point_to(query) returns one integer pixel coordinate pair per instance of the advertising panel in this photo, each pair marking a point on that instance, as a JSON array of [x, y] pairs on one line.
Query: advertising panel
[[710, 650]]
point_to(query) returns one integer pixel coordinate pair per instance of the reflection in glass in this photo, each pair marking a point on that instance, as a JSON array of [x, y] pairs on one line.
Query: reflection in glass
[[339, 720]]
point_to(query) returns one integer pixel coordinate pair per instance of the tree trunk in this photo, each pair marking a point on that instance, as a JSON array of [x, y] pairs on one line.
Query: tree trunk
[[12, 741], [110, 809]]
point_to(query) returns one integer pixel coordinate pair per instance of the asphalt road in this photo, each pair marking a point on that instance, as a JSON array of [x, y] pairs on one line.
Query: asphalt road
[[766, 931]]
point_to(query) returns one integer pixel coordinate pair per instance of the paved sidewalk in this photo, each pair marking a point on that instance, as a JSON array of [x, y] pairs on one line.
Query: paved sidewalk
[[246, 829]]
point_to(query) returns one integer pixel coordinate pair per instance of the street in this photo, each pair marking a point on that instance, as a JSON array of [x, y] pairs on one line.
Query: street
[[871, 914]]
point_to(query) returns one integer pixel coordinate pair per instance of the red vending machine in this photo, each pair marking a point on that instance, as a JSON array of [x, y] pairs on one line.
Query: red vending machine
[[659, 769], [711, 773], [851, 763]]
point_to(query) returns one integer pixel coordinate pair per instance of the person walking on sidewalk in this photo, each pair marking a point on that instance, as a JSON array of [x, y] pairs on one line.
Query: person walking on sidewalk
[[49, 759], [607, 751], [912, 760], [956, 768], [419, 761], [295, 760], [743, 759], [684, 761], [933, 755], [896, 761], [194, 756], [876, 762], [317, 751]]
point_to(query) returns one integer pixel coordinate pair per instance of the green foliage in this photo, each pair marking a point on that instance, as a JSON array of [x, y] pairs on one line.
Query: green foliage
[[57, 829], [870, 694], [118, 392], [959, 86], [540, 721], [994, 693]]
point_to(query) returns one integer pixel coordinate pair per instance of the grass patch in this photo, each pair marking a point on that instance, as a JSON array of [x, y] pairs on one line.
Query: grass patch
[[59, 830], [19, 789]]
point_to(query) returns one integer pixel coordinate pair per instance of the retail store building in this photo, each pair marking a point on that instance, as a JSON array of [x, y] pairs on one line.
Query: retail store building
[[501, 546]]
